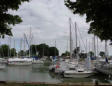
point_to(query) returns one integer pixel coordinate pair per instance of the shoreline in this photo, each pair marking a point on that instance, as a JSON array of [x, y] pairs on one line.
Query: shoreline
[[3, 83]]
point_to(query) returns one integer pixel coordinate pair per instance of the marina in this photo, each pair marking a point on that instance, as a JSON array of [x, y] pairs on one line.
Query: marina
[[55, 42], [27, 66], [41, 73]]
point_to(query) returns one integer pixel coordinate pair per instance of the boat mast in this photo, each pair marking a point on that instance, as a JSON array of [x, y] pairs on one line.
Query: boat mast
[[77, 54], [14, 48], [30, 42], [97, 47], [67, 47], [94, 45], [86, 46], [106, 50], [24, 47], [20, 46], [55, 47], [27, 42], [43, 51], [76, 34], [70, 38], [89, 46]]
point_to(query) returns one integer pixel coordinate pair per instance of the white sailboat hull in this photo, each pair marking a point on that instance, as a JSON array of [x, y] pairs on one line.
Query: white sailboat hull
[[20, 64], [76, 74], [19, 61]]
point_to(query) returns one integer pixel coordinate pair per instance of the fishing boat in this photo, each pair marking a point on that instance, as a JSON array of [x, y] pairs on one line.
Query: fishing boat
[[19, 61]]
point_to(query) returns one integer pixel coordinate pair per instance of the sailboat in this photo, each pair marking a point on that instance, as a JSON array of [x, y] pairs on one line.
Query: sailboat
[[19, 60], [65, 65], [104, 65], [79, 71]]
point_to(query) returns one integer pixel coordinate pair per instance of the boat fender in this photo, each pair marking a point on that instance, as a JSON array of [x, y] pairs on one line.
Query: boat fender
[[57, 66]]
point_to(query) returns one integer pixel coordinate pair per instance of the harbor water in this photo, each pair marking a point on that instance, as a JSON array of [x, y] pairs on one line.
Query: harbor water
[[40, 73]]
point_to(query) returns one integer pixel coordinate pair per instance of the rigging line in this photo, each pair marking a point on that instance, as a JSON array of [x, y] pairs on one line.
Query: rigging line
[[81, 37], [97, 47], [70, 22], [75, 44], [26, 40]]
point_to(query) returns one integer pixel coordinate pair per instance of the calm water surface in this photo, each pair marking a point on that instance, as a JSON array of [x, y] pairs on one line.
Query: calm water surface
[[40, 73]]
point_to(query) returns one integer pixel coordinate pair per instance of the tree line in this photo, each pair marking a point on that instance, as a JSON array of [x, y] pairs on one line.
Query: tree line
[[83, 54], [35, 50]]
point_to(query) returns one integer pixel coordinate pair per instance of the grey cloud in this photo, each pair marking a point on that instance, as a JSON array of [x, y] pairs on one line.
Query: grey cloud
[[49, 22]]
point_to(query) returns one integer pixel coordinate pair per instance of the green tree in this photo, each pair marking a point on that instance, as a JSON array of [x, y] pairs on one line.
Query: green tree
[[33, 50], [1, 52], [102, 53], [98, 13], [13, 52], [91, 53], [7, 19], [4, 50], [43, 50], [53, 51], [21, 53], [66, 53]]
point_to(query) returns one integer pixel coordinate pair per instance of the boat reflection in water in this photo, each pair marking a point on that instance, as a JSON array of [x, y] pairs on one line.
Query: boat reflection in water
[[18, 74]]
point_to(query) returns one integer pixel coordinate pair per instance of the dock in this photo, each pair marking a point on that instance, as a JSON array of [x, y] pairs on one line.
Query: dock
[[52, 84]]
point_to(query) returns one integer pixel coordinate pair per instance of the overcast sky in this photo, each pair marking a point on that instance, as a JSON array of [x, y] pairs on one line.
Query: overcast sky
[[48, 20]]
